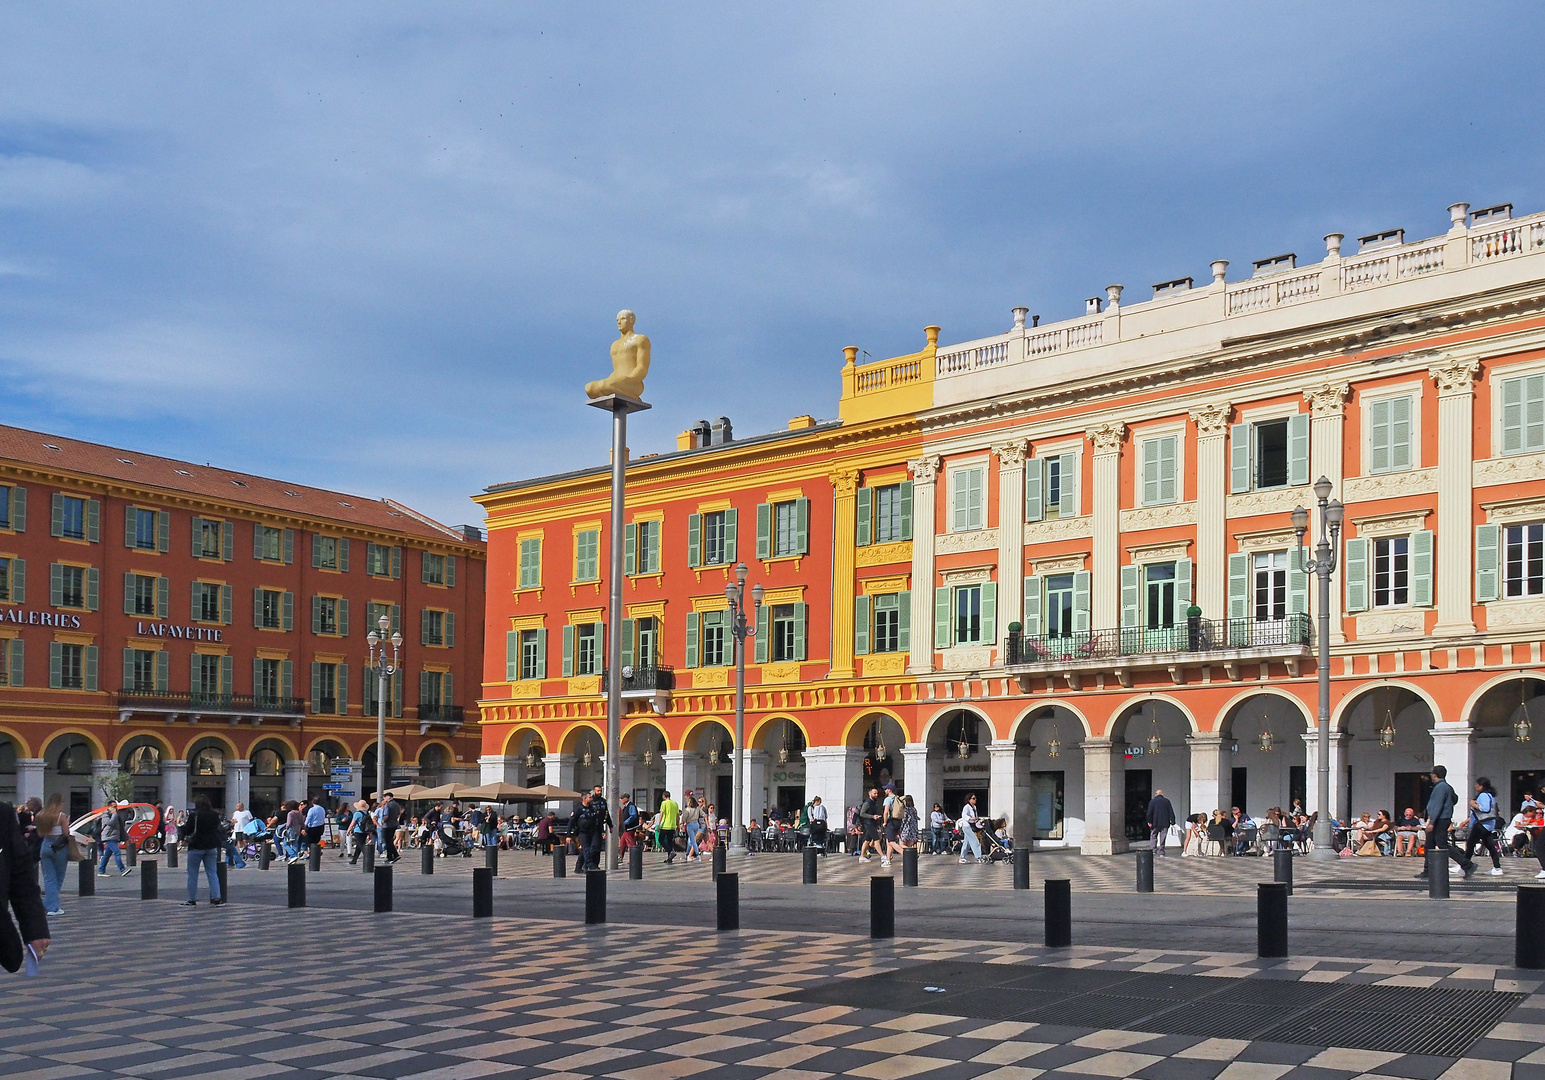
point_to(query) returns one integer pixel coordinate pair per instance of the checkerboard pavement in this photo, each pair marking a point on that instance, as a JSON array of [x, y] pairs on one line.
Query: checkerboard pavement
[[151, 991]]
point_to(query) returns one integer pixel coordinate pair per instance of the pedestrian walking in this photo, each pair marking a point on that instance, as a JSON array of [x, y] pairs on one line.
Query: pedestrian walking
[[597, 825], [1481, 829], [391, 819], [19, 888], [360, 825], [204, 842], [815, 813], [1440, 812], [111, 837], [628, 823], [692, 824], [968, 839], [871, 817], [1160, 818], [54, 852], [670, 813], [316, 825]]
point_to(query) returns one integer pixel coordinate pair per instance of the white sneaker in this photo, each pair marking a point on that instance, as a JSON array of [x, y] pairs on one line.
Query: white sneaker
[[1497, 872], [1540, 876], [55, 913], [863, 858], [885, 862], [962, 862]]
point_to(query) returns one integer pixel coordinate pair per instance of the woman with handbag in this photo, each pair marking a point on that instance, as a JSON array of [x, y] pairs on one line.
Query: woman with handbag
[[1482, 829], [53, 825]]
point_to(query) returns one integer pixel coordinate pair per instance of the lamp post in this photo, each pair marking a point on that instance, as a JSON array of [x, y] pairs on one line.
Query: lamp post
[[742, 626], [384, 671], [1322, 566]]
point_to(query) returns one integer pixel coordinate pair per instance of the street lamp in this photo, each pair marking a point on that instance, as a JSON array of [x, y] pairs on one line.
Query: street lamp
[[384, 671], [742, 626], [1322, 566]]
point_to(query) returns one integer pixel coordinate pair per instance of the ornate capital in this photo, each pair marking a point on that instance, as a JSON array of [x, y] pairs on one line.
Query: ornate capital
[[1107, 437], [1212, 418], [845, 483], [1455, 375], [925, 470], [1327, 400], [1011, 455]]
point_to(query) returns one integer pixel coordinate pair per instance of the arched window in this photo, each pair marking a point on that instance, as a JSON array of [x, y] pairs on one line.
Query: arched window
[[321, 758], [7, 756], [74, 760], [209, 761], [267, 762], [431, 759], [143, 760]]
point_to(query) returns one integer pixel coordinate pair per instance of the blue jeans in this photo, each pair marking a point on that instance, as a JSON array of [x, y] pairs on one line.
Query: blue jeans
[[110, 850], [968, 842], [940, 841], [209, 859], [233, 854], [692, 831], [56, 863]]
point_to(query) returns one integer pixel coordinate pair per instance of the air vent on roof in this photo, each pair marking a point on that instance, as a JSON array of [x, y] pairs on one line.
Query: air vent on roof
[[394, 513], [293, 494], [182, 472], [125, 461], [349, 505], [49, 446], [239, 483]]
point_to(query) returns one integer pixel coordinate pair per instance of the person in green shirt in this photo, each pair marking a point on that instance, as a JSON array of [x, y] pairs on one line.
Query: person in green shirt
[[670, 813]]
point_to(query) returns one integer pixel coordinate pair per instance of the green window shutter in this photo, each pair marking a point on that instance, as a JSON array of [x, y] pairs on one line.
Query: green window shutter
[[19, 513], [802, 526], [257, 540], [1035, 470], [1080, 601], [423, 626], [343, 689], [343, 618], [763, 646], [512, 656], [128, 668], [90, 666], [289, 546], [55, 585], [1150, 471], [989, 612], [93, 588], [343, 555], [396, 618], [316, 552], [55, 662], [568, 652], [690, 651], [629, 641], [56, 525], [18, 662], [1182, 590], [196, 545], [943, 625], [654, 546], [164, 672], [163, 531], [225, 604], [286, 679], [128, 593], [1131, 597], [764, 530], [541, 654], [1169, 485], [423, 566], [257, 676], [1067, 498], [1298, 582], [860, 626], [288, 610], [1357, 574], [19, 581], [1534, 412], [864, 528], [906, 510], [1488, 547], [128, 527], [731, 529], [450, 569], [1239, 458], [1239, 585], [1421, 568], [1033, 606], [1298, 449], [801, 622], [194, 595], [397, 695], [316, 614], [1512, 416], [904, 621], [450, 629], [257, 607], [1379, 436], [227, 674], [164, 597], [228, 541], [93, 520], [423, 686], [694, 542], [1400, 433], [630, 548], [447, 693]]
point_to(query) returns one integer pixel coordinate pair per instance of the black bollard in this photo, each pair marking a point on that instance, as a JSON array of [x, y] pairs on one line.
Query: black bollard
[[383, 888], [367, 856], [147, 880], [636, 862], [811, 862], [1271, 917], [595, 897], [728, 886], [1529, 947], [483, 894], [314, 860], [426, 859], [1437, 873], [297, 884], [1059, 913], [265, 855], [560, 862], [1145, 870], [1022, 868], [171, 856], [220, 876], [86, 881], [720, 856], [491, 859], [1282, 867], [909, 867], [130, 855], [882, 906]]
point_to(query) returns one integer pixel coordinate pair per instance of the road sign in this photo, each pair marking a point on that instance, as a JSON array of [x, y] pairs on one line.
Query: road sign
[[347, 794], [332, 787], [342, 770]]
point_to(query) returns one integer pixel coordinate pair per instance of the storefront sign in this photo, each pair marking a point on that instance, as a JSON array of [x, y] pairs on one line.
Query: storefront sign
[[167, 630], [39, 618]]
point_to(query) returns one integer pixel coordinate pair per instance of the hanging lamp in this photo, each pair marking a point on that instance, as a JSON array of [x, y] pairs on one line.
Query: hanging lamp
[[1521, 728]]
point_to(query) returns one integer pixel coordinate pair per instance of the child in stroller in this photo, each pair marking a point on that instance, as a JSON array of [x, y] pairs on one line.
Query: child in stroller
[[997, 845], [449, 842]]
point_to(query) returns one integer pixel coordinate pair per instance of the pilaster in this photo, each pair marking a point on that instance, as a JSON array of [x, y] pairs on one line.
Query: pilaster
[[1211, 573], [1105, 606], [835, 773], [238, 783], [757, 797], [1104, 797], [1211, 772], [1003, 784], [560, 773], [102, 771], [1327, 425], [915, 779], [925, 475], [844, 527], [29, 778], [1456, 454], [1011, 534], [174, 783], [1338, 783], [1453, 749], [495, 769], [294, 779]]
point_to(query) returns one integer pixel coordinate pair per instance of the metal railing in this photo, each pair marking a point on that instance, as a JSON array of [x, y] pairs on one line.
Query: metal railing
[[433, 713], [244, 704], [642, 679], [1192, 636]]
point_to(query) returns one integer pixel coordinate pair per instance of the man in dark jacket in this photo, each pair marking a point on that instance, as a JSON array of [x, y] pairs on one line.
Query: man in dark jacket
[[1161, 815], [1440, 812], [19, 887], [598, 824]]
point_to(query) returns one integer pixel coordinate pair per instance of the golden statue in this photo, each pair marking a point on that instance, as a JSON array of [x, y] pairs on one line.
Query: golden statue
[[630, 362]]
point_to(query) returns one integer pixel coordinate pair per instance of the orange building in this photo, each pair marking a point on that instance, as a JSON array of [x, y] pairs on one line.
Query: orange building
[[1055, 567], [204, 630]]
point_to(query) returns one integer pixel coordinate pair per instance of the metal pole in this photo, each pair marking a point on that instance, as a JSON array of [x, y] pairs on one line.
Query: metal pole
[[1323, 848], [381, 724], [614, 627], [738, 796]]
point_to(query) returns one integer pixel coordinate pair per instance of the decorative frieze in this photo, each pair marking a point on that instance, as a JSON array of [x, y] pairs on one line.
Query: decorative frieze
[[887, 666], [1150, 553], [1047, 532], [1212, 418], [1515, 614], [884, 554], [1402, 524], [1389, 485], [1384, 624], [955, 543], [1061, 564], [780, 673], [1158, 517], [1327, 399], [966, 575], [1273, 540], [710, 678], [1276, 501], [1515, 510], [1509, 470], [967, 659], [1107, 437]]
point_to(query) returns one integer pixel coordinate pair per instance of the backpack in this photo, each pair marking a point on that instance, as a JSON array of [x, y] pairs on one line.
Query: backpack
[[898, 809]]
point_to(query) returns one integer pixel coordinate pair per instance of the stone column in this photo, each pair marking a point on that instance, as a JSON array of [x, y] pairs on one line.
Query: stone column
[[560, 773], [1327, 411], [1011, 536], [1105, 607], [1003, 784], [835, 773], [357, 780], [495, 769], [102, 770], [1104, 797], [29, 778], [174, 783], [916, 780], [1212, 773], [1338, 776], [238, 783], [683, 773], [1211, 573], [1455, 564], [844, 555], [294, 780], [757, 795], [925, 475], [1452, 748], [627, 774]]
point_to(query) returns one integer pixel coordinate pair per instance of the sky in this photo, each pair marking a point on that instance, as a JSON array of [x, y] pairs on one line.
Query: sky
[[380, 247]]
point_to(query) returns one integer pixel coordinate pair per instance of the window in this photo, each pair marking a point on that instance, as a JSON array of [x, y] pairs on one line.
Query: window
[[11, 661], [72, 586], [892, 513], [711, 538], [531, 563], [967, 499], [330, 689], [1391, 572], [74, 520], [13, 505], [587, 555], [641, 548], [1523, 562], [968, 615], [783, 529], [271, 609], [393, 613], [372, 694], [139, 671], [1395, 571], [211, 602], [437, 628], [383, 560], [782, 641], [1160, 469], [533, 664], [69, 664], [1269, 454], [143, 528], [207, 676], [142, 593], [1269, 585], [1155, 597], [1058, 612], [13, 580], [1389, 435], [5, 507], [717, 650], [266, 681], [1056, 605], [892, 611], [582, 649], [327, 615], [330, 553], [1051, 487], [1159, 595], [441, 569], [648, 654], [268, 544], [1523, 414], [965, 615], [434, 693], [206, 538]]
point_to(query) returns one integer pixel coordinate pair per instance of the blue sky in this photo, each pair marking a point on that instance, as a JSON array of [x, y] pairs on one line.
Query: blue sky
[[380, 247]]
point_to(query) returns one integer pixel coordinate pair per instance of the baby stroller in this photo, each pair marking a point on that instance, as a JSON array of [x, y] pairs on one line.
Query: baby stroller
[[287, 843], [450, 843], [993, 849], [253, 836]]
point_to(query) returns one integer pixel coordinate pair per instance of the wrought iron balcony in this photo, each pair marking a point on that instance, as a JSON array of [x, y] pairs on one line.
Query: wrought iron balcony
[[431, 713], [652, 684], [199, 704], [1225, 642]]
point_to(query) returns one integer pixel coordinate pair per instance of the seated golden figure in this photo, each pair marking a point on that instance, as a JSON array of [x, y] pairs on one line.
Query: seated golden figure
[[630, 362]]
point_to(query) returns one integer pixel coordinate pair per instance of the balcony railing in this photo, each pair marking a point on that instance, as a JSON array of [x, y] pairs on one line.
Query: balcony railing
[[642, 680], [1192, 636], [440, 714], [237, 704]]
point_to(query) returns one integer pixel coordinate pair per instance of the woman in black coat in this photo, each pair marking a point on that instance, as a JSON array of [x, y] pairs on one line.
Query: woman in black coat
[[19, 887]]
